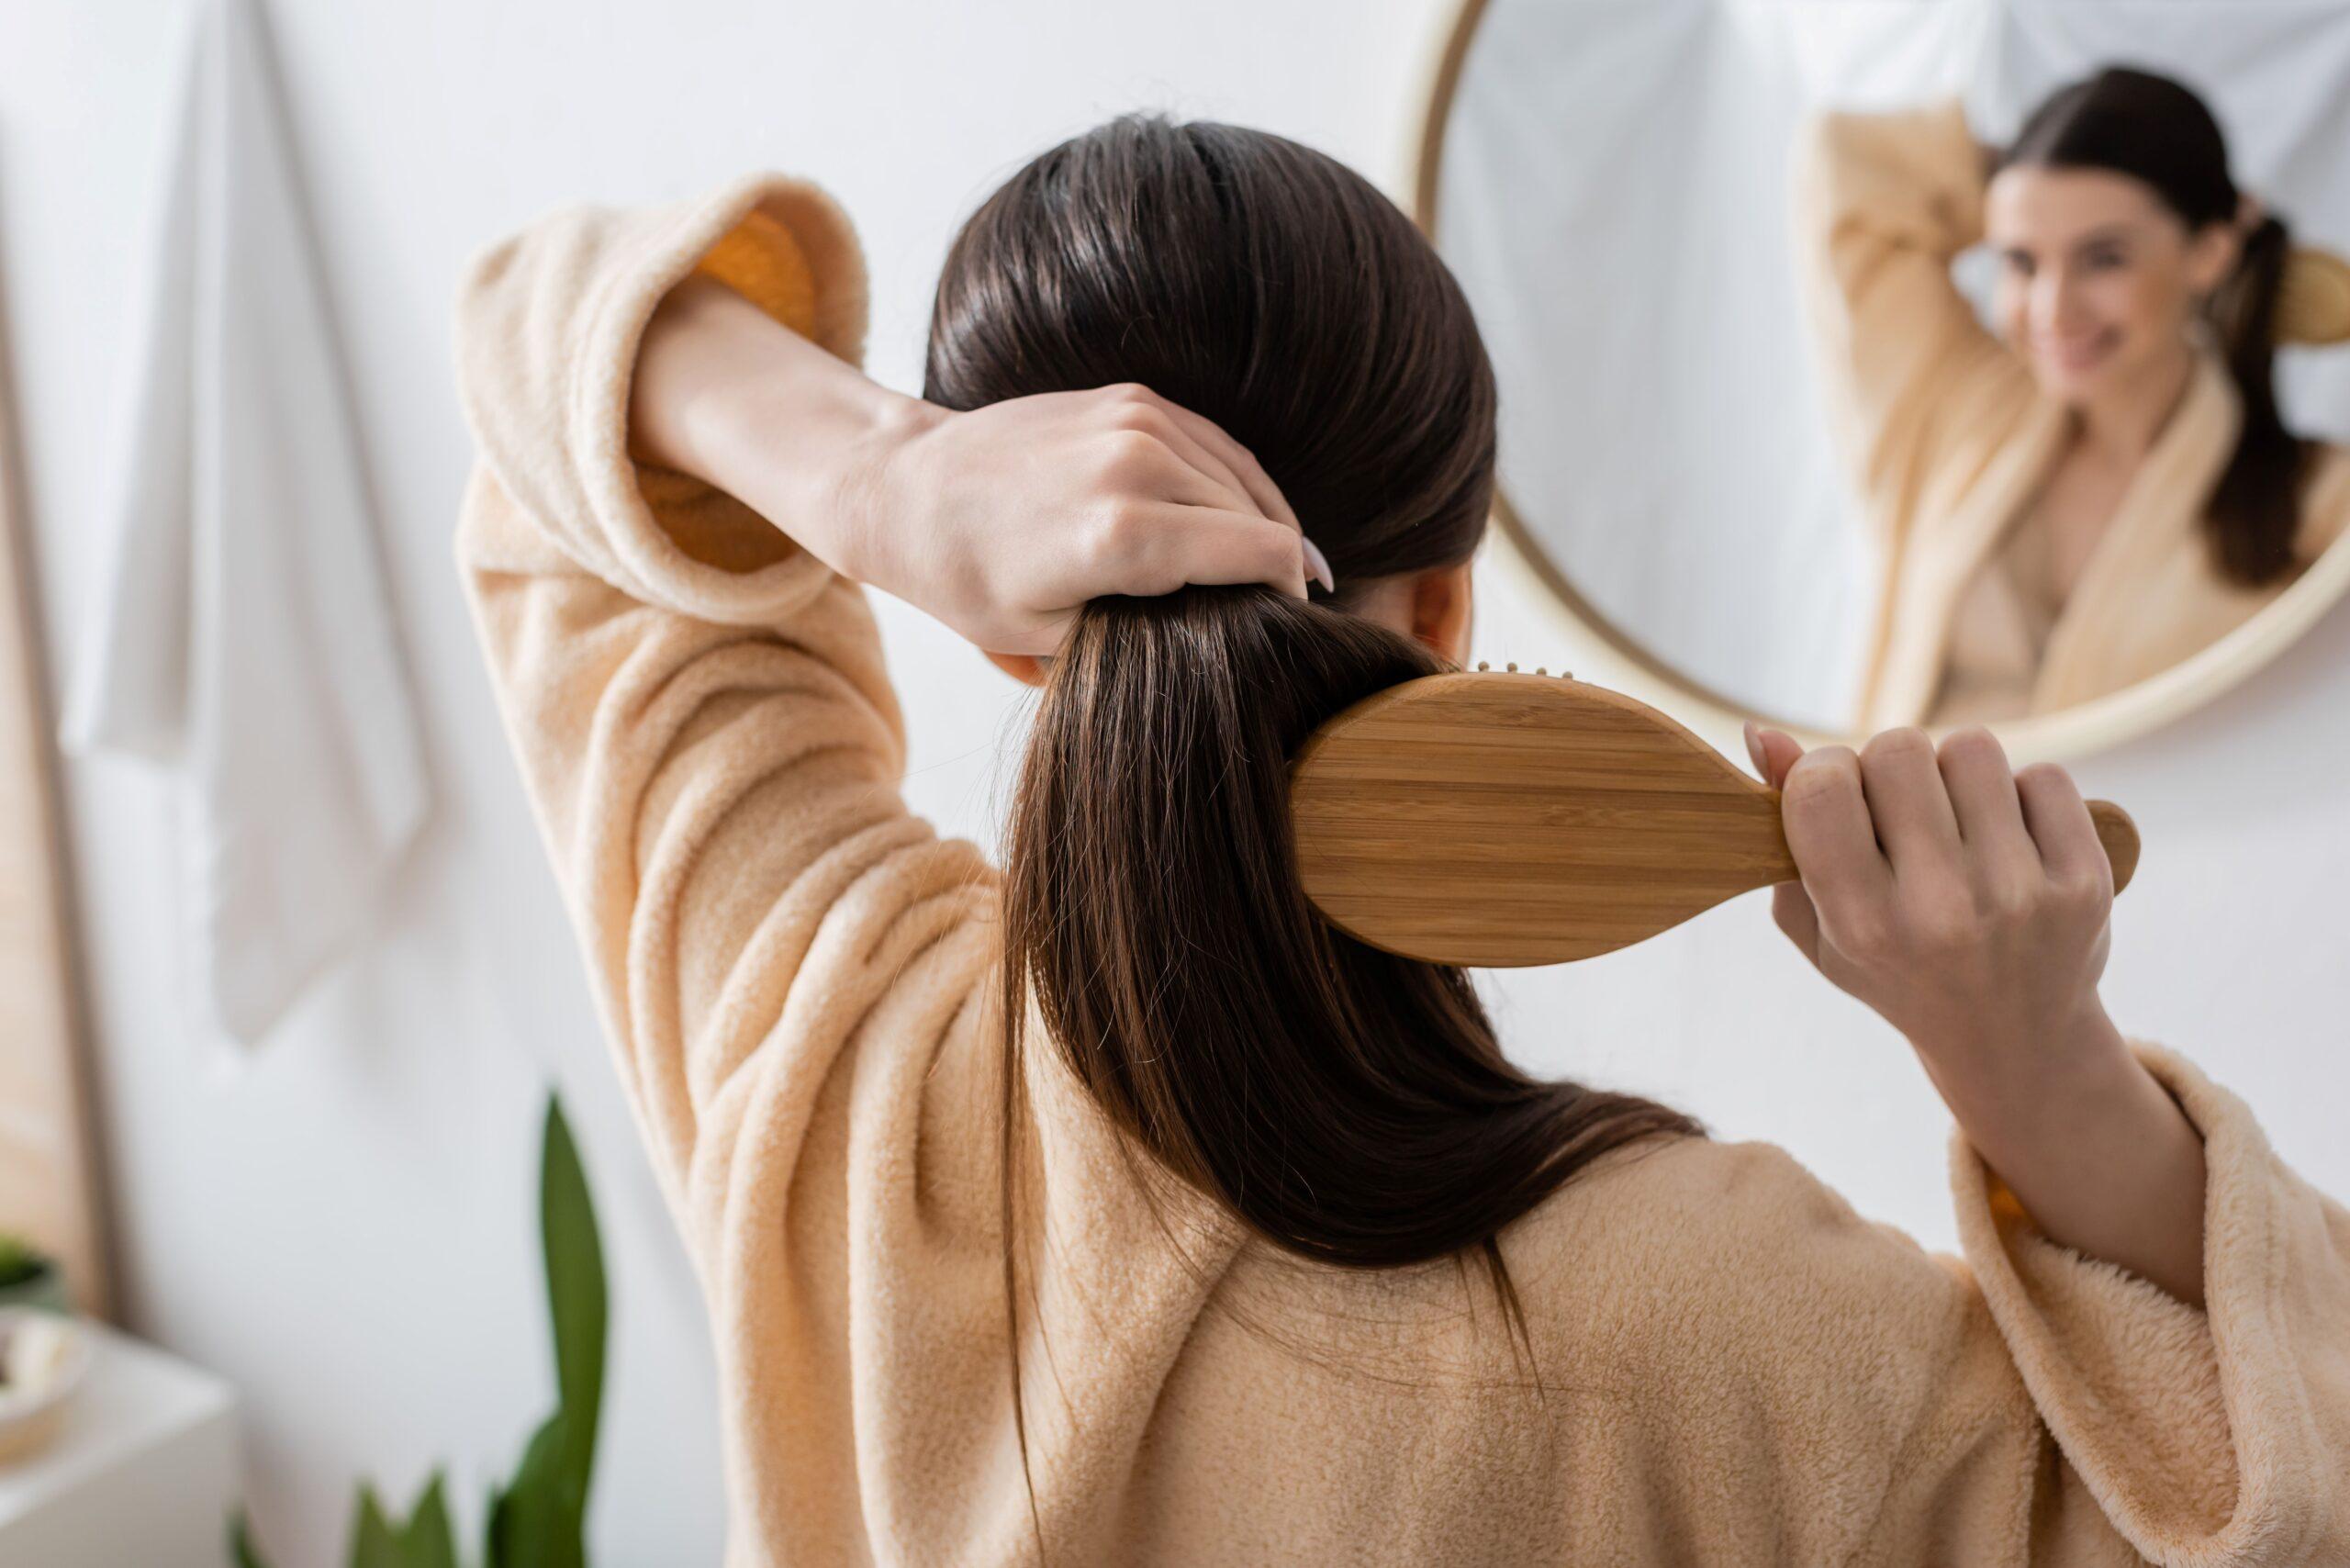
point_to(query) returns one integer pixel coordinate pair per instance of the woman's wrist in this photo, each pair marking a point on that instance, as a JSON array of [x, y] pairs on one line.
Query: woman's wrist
[[2011, 1082], [2091, 1144], [729, 395]]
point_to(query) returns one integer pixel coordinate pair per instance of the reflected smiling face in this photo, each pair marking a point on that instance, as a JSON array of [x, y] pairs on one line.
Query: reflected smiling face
[[2099, 278]]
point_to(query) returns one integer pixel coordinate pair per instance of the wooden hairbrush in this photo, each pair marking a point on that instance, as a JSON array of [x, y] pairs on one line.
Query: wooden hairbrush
[[1498, 820]]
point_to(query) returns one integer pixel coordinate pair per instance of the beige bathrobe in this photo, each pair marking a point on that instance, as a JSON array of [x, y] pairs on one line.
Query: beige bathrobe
[[1953, 439], [798, 980]]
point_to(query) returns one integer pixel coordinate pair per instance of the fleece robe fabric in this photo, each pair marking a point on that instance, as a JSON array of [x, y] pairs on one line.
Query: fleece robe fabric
[[1952, 439], [799, 980]]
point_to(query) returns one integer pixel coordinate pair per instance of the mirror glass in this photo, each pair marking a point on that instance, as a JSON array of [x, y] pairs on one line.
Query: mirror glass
[[1833, 396]]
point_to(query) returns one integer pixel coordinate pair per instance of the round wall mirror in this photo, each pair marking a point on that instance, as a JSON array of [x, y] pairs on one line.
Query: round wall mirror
[[1839, 389]]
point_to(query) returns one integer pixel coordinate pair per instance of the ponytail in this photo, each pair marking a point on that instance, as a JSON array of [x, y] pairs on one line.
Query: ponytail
[[2254, 515], [1348, 1105]]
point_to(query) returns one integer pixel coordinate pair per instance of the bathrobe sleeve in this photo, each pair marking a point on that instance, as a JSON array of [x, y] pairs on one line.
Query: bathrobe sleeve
[[2220, 1435], [1883, 204], [704, 724], [2028, 1405]]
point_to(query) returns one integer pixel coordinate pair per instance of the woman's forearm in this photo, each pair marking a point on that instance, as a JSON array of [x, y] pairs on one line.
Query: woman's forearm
[[725, 392], [2092, 1145], [1001, 521]]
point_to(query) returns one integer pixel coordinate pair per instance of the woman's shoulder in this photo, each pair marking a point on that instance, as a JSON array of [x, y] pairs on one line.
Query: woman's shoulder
[[1756, 1318], [1697, 1177], [1736, 1257]]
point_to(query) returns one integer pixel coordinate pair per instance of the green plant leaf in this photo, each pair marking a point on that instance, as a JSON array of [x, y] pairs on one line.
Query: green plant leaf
[[493, 1526], [538, 1518], [372, 1545], [428, 1542], [537, 1521], [240, 1542], [20, 1260], [576, 1297]]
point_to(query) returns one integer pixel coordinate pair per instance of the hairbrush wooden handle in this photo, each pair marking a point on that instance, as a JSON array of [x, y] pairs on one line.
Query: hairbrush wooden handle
[[1501, 820], [2115, 830]]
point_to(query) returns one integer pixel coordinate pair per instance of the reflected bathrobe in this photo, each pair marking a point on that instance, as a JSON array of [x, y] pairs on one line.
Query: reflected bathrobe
[[1951, 439], [797, 975]]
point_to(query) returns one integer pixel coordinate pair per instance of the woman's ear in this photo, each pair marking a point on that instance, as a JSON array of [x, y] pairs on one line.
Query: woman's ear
[[1441, 611], [1025, 668], [2211, 256]]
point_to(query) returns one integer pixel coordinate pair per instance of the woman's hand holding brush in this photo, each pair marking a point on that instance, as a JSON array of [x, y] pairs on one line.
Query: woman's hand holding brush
[[1967, 903]]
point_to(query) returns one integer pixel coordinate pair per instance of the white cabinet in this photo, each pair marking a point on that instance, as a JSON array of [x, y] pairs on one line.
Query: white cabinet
[[142, 1472]]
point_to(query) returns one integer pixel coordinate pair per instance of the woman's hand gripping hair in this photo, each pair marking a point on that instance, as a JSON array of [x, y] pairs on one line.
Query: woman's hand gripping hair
[[1002, 522], [1968, 904]]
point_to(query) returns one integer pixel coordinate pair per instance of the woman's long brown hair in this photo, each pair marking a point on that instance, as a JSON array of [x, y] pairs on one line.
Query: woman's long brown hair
[[2159, 132], [1347, 1105]]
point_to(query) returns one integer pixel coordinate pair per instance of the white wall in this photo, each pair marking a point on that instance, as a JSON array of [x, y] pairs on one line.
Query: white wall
[[342, 1223]]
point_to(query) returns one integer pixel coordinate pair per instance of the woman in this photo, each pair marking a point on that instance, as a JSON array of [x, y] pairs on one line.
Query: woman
[[2105, 487], [1232, 1209]]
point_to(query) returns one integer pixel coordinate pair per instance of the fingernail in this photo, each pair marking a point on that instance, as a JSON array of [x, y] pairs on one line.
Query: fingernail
[[1317, 566], [1754, 749]]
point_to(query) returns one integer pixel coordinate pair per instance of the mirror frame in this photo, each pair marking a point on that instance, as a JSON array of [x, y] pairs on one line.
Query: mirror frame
[[1604, 652]]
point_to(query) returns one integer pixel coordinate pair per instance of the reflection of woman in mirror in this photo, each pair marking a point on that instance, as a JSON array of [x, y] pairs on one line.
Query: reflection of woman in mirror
[[2103, 487]]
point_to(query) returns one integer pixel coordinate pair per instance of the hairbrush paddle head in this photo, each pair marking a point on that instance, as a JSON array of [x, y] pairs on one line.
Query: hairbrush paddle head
[[1500, 820]]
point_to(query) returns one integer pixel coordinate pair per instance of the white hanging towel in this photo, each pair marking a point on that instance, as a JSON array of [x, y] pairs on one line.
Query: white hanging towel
[[246, 642]]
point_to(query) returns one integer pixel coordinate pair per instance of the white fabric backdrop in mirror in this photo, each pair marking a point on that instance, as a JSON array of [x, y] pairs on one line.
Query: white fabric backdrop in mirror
[[1614, 198]]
